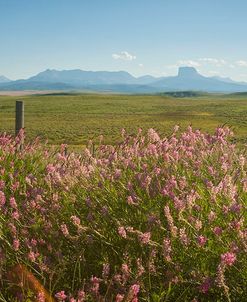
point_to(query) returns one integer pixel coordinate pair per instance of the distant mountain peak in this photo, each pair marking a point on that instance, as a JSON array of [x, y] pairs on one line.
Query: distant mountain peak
[[187, 72], [188, 79], [3, 79]]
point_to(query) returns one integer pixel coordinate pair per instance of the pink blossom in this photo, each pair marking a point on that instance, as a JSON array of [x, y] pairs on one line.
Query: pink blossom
[[130, 200], [81, 295], [135, 288], [15, 215], [228, 258], [106, 270], [41, 297], [144, 237], [2, 199], [119, 298], [61, 296], [64, 230], [16, 244], [205, 286], [122, 232], [201, 240], [217, 230], [31, 256], [75, 220], [95, 285]]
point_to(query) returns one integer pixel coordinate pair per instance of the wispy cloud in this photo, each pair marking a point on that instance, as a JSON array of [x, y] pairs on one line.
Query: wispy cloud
[[201, 62], [123, 55], [190, 63], [213, 61], [241, 63]]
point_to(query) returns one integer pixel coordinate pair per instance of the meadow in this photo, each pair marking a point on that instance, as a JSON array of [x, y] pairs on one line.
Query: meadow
[[150, 219], [75, 119], [153, 211]]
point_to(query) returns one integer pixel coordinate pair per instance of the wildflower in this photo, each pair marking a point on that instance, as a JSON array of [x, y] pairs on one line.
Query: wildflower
[[2, 184], [13, 230], [119, 298], [2, 199], [135, 288], [64, 230], [117, 278], [140, 268], [122, 232], [201, 240], [16, 244], [106, 270], [169, 218], [33, 242], [41, 297], [61, 296], [81, 295], [217, 230], [95, 285], [31, 256], [153, 135], [228, 258], [167, 249], [205, 286], [198, 224], [183, 237], [220, 279], [75, 220], [144, 237], [15, 215], [130, 200]]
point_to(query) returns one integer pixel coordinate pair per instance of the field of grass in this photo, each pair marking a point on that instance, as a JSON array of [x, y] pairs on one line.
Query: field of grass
[[75, 119]]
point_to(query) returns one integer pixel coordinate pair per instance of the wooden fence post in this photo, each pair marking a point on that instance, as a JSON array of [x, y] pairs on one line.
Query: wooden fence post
[[19, 116]]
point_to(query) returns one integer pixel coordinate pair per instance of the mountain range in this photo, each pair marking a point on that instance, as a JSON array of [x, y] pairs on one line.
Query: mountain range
[[187, 79]]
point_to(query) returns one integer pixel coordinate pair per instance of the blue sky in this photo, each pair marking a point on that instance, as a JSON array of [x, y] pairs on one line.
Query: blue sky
[[139, 36]]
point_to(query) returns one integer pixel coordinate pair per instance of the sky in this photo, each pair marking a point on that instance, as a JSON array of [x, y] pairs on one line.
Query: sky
[[139, 36]]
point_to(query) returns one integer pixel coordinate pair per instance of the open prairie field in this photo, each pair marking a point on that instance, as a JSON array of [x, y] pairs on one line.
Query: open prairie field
[[75, 119]]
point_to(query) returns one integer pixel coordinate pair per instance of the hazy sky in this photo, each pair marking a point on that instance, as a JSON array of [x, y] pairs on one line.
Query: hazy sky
[[139, 36]]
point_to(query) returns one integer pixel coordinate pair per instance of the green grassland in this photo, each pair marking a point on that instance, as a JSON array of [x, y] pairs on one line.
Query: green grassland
[[76, 118]]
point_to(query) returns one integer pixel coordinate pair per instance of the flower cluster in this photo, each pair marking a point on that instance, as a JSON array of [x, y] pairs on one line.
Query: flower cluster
[[149, 219]]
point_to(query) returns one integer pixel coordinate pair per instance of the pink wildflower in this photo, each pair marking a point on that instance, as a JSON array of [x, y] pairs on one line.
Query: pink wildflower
[[217, 231], [95, 285], [41, 297], [31, 256], [61, 296], [15, 215], [75, 220], [64, 230], [135, 288], [119, 298], [228, 258], [2, 199], [144, 237], [2, 184], [81, 295], [205, 286], [16, 244], [122, 232], [106, 270], [201, 240], [130, 200]]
